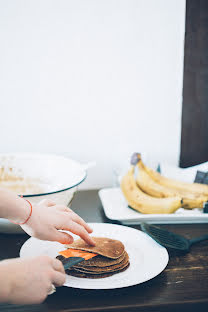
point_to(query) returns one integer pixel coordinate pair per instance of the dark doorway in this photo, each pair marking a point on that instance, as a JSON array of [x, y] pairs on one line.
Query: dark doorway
[[194, 135]]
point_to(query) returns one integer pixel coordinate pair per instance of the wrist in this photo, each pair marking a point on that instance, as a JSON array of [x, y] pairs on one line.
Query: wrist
[[24, 214], [13, 207]]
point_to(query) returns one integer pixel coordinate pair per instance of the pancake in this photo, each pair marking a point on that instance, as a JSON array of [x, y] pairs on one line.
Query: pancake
[[88, 275], [101, 261], [115, 270], [112, 258], [98, 262], [114, 267], [106, 247], [100, 272]]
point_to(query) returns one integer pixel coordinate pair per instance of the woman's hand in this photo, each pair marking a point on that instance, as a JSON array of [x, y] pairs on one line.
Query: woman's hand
[[29, 281], [47, 218]]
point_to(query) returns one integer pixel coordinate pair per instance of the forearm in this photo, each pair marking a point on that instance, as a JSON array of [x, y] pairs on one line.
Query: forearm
[[13, 207], [4, 283]]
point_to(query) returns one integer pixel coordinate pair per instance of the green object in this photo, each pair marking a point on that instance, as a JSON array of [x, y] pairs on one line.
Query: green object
[[205, 209], [169, 239], [158, 168], [200, 175]]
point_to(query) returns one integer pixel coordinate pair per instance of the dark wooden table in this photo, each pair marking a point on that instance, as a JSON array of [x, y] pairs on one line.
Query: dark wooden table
[[182, 286]]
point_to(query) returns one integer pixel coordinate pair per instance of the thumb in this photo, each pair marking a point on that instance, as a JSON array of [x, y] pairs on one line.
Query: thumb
[[62, 237]]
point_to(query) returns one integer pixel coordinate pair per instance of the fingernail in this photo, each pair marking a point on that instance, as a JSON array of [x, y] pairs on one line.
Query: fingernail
[[93, 242], [67, 242]]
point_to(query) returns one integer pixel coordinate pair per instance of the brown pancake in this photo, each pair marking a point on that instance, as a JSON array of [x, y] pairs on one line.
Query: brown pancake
[[111, 259], [88, 275], [118, 266], [100, 261], [109, 270], [106, 247]]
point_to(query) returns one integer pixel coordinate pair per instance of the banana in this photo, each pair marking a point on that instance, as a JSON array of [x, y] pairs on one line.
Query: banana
[[190, 202], [144, 203], [149, 186], [152, 187], [193, 188]]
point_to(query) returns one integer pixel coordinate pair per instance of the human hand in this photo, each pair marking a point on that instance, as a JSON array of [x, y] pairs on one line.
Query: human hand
[[29, 281], [47, 218]]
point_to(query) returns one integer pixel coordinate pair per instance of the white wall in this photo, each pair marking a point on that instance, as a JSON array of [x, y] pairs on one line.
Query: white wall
[[92, 79]]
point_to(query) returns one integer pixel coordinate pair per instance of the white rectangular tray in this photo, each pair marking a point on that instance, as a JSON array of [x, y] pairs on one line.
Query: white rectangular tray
[[116, 208]]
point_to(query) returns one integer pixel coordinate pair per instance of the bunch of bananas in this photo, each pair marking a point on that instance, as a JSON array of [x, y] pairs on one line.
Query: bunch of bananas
[[152, 193]]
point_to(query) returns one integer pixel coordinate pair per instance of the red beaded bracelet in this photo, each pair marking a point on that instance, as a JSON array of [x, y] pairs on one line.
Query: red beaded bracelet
[[27, 217]]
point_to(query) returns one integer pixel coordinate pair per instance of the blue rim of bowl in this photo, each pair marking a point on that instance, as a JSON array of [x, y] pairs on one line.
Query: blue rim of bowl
[[59, 191]]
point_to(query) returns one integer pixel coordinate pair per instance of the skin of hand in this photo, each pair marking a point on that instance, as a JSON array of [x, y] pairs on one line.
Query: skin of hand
[[48, 217], [29, 281]]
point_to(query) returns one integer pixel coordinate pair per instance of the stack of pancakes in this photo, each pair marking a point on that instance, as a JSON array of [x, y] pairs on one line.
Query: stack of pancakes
[[112, 258]]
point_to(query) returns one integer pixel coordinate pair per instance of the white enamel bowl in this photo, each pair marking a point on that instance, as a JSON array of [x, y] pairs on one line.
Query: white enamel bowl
[[59, 177]]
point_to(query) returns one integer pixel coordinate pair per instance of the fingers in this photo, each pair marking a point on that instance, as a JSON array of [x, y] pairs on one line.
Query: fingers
[[57, 275], [75, 217], [58, 266], [64, 218], [58, 279], [62, 237], [77, 229], [80, 221]]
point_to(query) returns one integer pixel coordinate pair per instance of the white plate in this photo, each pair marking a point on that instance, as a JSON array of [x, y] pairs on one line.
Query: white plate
[[116, 208], [147, 258]]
